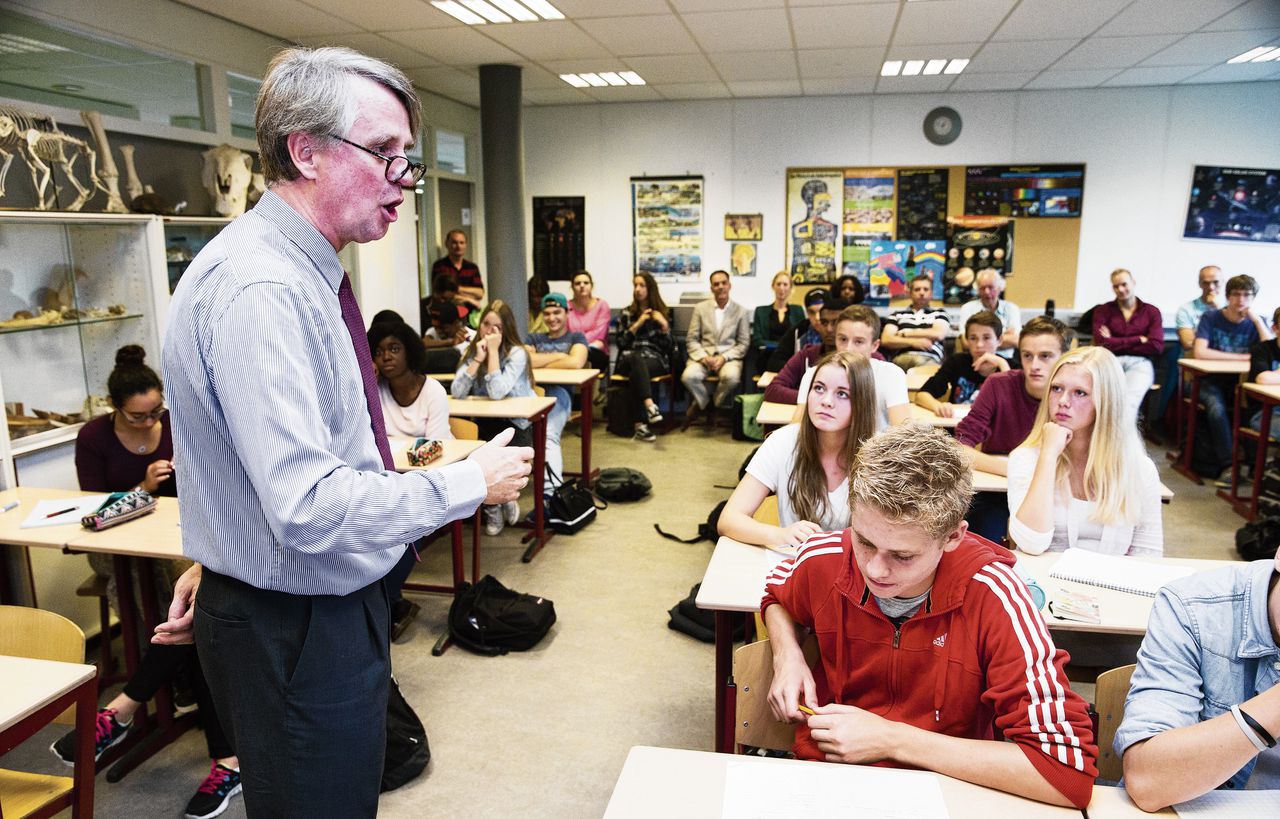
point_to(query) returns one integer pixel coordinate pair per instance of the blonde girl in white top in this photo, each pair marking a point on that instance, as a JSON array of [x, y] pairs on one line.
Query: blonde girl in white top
[[1082, 478]]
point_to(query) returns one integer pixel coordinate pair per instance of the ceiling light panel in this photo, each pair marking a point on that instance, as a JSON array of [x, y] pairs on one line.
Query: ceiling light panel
[[574, 80], [479, 12], [516, 10], [544, 9], [912, 67], [602, 79], [459, 11], [1267, 56], [631, 77], [486, 10], [891, 68], [934, 67], [612, 78], [956, 66], [1249, 55], [594, 80]]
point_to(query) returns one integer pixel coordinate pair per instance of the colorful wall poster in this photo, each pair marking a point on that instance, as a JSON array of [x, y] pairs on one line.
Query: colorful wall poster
[[1026, 191], [975, 243], [856, 259], [869, 201], [743, 227], [814, 236], [666, 218], [894, 265], [1240, 204], [559, 244], [922, 202], [742, 259]]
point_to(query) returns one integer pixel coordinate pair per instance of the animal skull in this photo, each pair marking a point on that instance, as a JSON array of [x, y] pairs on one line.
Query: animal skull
[[227, 172]]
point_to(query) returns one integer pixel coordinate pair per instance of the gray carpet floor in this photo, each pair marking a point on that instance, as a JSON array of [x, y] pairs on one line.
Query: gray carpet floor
[[545, 733]]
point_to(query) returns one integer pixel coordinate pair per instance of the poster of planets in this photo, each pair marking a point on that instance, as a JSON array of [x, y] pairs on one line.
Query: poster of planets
[[895, 264], [975, 243], [666, 218], [922, 202], [1240, 204]]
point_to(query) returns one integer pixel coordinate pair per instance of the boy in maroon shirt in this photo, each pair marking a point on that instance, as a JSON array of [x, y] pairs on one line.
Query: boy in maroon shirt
[[1003, 414]]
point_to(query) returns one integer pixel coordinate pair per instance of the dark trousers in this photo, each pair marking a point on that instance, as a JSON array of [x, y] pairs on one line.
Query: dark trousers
[[158, 666], [490, 427], [640, 368], [989, 515], [598, 359], [400, 573], [301, 683]]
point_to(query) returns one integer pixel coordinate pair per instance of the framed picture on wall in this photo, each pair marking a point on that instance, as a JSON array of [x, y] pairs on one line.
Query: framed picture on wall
[[666, 223], [743, 227], [1024, 191], [559, 236], [1237, 204]]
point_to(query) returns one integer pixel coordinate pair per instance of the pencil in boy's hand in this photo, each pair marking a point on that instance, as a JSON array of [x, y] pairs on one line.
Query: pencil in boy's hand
[[806, 709]]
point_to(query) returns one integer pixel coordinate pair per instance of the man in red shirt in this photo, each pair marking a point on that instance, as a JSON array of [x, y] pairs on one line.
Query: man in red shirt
[[931, 648], [467, 272], [1134, 331]]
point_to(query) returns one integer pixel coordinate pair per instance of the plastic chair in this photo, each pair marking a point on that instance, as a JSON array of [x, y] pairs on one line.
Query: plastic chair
[[463, 429], [1112, 688]]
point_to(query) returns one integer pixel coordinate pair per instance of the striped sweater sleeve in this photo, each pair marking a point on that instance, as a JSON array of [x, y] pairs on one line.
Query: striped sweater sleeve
[[789, 583], [1028, 688]]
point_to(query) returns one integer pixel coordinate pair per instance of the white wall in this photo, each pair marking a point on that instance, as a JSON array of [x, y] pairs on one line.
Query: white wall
[[1139, 145]]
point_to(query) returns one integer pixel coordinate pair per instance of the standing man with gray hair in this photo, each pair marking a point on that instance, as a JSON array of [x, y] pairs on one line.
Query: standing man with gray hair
[[990, 286], [292, 505]]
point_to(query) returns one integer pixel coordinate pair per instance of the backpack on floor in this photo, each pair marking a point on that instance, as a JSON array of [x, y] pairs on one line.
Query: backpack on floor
[[745, 409], [706, 531], [686, 618], [407, 750], [619, 418], [490, 619], [1269, 490], [621, 483], [1258, 540]]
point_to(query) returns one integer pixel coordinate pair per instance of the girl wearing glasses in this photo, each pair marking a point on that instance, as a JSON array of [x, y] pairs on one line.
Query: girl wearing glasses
[[132, 448]]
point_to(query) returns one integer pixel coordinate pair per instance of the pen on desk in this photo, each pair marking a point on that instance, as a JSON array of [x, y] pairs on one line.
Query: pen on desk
[[8, 507], [62, 512]]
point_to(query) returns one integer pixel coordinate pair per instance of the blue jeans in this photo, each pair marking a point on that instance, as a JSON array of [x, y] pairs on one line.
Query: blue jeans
[[556, 420], [1256, 422], [1217, 395]]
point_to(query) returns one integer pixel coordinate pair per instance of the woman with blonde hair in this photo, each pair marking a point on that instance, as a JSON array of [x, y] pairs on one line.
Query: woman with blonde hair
[[1082, 477], [807, 464], [497, 365]]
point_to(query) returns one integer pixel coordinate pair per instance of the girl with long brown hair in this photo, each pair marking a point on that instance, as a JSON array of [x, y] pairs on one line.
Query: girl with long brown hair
[[644, 340], [807, 464]]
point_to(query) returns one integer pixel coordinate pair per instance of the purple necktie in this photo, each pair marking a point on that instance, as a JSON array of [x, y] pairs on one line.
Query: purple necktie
[[355, 326]]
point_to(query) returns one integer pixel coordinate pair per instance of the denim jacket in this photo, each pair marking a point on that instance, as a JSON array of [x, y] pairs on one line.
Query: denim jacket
[[1208, 647]]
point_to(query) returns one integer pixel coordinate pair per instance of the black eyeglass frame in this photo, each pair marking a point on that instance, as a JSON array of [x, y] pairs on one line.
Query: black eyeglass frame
[[416, 169]]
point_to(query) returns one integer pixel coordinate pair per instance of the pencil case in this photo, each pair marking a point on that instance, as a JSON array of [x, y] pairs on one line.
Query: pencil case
[[424, 452], [118, 508]]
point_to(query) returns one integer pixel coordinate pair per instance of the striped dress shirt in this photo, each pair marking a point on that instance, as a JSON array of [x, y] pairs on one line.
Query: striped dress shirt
[[283, 487]]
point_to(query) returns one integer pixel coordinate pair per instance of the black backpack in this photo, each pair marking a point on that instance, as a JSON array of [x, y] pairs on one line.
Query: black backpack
[[407, 749], [706, 531], [490, 619], [620, 483], [1258, 540], [687, 618]]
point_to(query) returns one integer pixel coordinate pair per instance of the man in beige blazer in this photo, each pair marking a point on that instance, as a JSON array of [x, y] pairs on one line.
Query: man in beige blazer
[[717, 341]]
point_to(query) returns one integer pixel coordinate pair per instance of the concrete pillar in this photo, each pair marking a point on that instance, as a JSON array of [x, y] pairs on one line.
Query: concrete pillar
[[502, 145]]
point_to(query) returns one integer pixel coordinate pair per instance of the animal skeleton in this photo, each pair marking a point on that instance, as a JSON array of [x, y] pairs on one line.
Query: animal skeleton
[[37, 139]]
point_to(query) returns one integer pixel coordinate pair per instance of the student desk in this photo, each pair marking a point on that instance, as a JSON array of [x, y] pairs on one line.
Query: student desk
[[1110, 802], [34, 693], [680, 784], [535, 409], [55, 537], [1194, 369], [1269, 396]]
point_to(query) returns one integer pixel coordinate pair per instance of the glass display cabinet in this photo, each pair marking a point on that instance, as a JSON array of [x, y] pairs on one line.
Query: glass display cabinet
[[184, 237]]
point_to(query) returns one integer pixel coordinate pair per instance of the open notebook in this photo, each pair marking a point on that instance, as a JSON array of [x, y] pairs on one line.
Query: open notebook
[[1126, 574]]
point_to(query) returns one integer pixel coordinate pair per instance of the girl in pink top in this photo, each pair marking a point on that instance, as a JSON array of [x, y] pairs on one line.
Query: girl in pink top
[[590, 316]]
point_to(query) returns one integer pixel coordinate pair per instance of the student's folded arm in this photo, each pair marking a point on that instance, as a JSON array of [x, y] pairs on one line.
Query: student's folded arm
[[500, 383], [785, 387], [736, 519], [1169, 754], [939, 330], [577, 357], [924, 399], [1031, 500], [1187, 338]]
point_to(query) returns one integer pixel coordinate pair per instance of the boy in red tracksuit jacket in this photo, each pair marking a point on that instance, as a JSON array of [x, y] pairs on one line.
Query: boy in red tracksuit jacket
[[929, 641]]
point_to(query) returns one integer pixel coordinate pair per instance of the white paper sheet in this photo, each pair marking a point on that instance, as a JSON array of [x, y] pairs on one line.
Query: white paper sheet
[[77, 508], [1232, 804], [763, 791]]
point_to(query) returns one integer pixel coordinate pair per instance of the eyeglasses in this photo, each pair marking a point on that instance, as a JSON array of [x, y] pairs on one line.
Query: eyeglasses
[[143, 417], [397, 166]]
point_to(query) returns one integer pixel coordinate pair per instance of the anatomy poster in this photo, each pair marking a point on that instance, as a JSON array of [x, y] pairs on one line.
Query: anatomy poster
[[666, 218], [813, 219]]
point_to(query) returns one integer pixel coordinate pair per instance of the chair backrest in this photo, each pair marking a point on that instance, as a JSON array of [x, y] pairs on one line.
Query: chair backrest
[[681, 318], [464, 430], [1112, 688], [41, 635], [754, 723]]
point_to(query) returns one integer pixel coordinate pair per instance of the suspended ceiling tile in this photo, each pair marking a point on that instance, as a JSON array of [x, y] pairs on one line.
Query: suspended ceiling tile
[[463, 46], [837, 63], [1207, 48], [842, 26], [374, 45], [287, 19], [1166, 16], [1245, 72], [624, 93], [1254, 14], [678, 68], [838, 87], [687, 6], [766, 88], [1049, 19], [1113, 52], [1072, 79], [1003, 81], [1031, 55], [950, 21], [548, 40], [693, 90], [556, 96], [913, 85], [949, 51], [801, 3], [756, 65], [1154, 75], [389, 14], [656, 34], [741, 30], [537, 76], [587, 9], [449, 82]]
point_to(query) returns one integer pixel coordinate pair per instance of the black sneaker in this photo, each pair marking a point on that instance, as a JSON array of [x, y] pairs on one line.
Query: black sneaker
[[653, 414], [402, 614], [643, 433], [214, 793], [107, 734]]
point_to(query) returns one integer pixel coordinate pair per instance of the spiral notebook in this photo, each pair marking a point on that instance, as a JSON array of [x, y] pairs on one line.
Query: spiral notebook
[[1126, 574]]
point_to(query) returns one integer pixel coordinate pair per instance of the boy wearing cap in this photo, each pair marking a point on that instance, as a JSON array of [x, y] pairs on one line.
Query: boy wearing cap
[[803, 334], [1204, 702], [557, 349], [931, 648]]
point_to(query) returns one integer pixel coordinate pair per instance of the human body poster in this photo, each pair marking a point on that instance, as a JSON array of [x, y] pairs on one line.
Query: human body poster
[[813, 219], [666, 218]]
